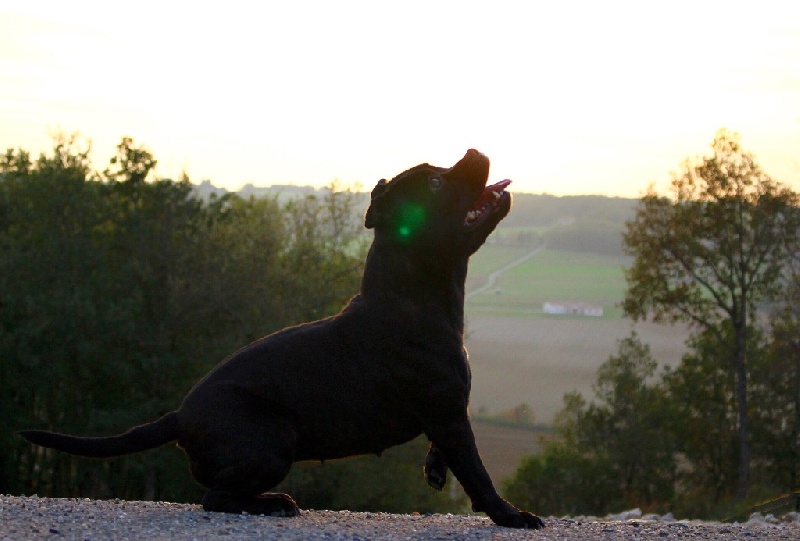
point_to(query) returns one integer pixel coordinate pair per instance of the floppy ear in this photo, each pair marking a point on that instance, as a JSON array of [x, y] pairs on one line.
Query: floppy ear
[[373, 212]]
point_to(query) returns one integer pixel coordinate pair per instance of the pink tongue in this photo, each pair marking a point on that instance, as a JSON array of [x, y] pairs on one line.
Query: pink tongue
[[487, 196]]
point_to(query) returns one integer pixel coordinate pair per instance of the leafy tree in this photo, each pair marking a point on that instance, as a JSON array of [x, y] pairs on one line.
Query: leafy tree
[[616, 452], [562, 480], [325, 254], [132, 164], [711, 253], [565, 478], [629, 426], [702, 392], [776, 391], [119, 290], [51, 295]]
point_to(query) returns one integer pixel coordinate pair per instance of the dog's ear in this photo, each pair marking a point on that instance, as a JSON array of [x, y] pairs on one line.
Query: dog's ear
[[373, 212]]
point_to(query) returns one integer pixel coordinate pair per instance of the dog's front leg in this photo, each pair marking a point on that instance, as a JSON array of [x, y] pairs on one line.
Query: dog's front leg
[[456, 442]]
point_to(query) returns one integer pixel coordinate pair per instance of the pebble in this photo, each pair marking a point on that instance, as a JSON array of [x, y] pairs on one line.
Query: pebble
[[81, 519]]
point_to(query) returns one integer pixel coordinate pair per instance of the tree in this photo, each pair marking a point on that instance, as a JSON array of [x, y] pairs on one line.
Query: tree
[[628, 426], [325, 252], [702, 393], [561, 480], [777, 393], [132, 164], [615, 452], [119, 291], [711, 253], [52, 297]]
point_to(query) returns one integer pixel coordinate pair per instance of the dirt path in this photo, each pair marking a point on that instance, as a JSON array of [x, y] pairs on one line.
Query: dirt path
[[491, 280]]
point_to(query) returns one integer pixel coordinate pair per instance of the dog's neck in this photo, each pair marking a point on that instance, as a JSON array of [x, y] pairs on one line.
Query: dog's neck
[[432, 287]]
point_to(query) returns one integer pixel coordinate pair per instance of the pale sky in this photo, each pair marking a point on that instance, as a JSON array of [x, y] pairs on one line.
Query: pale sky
[[581, 97]]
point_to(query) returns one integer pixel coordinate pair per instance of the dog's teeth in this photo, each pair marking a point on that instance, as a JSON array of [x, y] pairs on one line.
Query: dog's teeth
[[497, 195]]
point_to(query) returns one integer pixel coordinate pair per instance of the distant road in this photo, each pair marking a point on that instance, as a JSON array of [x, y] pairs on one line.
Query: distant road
[[492, 279]]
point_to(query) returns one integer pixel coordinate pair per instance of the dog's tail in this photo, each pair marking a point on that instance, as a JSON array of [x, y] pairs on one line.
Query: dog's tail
[[136, 439]]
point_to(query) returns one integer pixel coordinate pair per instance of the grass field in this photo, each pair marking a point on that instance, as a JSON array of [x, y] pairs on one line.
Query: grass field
[[521, 355], [548, 276], [495, 256]]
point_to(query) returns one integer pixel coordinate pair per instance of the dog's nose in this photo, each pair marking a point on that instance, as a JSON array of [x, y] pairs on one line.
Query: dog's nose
[[473, 154], [473, 164]]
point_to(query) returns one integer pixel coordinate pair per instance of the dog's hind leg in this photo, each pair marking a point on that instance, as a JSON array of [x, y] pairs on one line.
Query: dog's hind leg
[[435, 468], [240, 469], [241, 488]]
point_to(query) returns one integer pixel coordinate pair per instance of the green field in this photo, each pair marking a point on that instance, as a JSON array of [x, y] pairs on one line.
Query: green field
[[548, 276], [490, 258]]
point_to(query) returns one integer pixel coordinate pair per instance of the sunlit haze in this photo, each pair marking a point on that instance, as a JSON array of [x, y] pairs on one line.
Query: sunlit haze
[[564, 97]]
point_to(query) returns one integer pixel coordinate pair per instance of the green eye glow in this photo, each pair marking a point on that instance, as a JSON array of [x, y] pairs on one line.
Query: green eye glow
[[410, 218]]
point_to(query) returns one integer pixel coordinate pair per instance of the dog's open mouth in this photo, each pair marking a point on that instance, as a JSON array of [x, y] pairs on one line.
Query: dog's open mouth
[[486, 203]]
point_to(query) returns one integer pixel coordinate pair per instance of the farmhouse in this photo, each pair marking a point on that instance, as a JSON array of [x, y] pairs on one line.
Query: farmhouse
[[572, 308]]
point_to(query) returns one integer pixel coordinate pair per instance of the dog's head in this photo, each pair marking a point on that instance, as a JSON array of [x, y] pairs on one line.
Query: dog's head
[[435, 208]]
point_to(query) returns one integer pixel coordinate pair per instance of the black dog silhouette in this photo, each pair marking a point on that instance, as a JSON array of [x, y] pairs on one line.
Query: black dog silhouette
[[390, 366]]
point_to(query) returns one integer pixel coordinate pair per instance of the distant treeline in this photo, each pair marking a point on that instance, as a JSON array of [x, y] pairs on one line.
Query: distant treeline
[[585, 223], [580, 223], [542, 210]]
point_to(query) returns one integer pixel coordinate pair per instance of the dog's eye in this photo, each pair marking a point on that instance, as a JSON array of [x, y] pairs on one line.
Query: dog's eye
[[435, 183]]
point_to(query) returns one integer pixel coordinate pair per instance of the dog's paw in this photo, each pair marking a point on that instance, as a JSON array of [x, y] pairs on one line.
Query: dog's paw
[[435, 478], [269, 504], [521, 519], [435, 470], [509, 516]]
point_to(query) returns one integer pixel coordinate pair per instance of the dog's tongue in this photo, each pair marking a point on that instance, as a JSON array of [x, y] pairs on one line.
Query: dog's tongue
[[491, 193]]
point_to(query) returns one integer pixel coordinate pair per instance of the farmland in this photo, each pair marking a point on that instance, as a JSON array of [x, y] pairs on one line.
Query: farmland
[[501, 447], [549, 276], [521, 355], [519, 360]]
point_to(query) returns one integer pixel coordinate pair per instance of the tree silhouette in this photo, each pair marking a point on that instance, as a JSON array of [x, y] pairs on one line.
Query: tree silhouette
[[711, 253]]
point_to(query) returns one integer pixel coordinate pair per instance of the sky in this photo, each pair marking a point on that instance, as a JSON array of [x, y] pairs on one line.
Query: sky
[[565, 97]]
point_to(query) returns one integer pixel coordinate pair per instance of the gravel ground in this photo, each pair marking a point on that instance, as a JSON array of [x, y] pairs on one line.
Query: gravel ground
[[55, 518]]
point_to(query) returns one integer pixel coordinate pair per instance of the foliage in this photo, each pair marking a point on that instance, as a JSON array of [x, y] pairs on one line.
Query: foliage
[[718, 248], [712, 254], [561, 480], [776, 395], [118, 291], [629, 426], [717, 254], [702, 391], [610, 454]]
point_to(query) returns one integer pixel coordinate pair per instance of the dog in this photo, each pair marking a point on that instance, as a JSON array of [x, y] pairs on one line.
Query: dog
[[390, 366]]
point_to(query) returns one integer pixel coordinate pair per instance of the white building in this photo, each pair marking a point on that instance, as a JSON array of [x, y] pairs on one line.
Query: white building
[[572, 308]]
